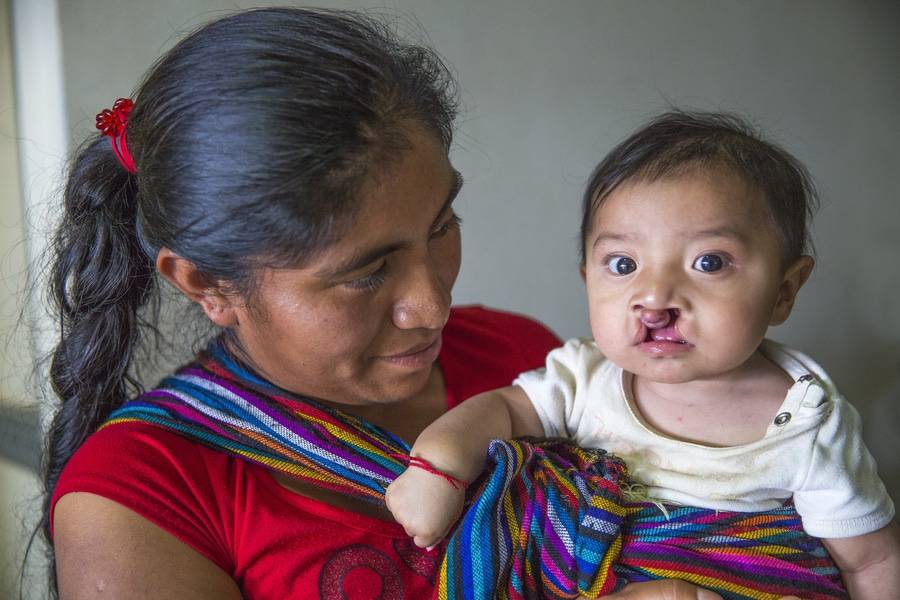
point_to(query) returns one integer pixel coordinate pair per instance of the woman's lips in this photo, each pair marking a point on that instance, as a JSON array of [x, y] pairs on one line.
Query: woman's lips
[[418, 356]]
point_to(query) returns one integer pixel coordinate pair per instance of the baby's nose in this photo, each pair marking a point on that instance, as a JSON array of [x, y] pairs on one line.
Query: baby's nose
[[655, 319]]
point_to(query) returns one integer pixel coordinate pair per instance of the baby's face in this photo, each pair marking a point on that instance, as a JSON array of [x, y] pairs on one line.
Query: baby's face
[[683, 276]]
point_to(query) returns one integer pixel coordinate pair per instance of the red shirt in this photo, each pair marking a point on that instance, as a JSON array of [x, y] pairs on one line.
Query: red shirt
[[276, 543]]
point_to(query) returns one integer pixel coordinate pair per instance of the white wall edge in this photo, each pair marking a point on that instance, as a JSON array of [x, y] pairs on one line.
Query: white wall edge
[[42, 129]]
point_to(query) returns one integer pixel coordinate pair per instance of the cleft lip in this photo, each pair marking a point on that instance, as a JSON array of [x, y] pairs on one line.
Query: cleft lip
[[641, 335], [658, 318], [649, 331]]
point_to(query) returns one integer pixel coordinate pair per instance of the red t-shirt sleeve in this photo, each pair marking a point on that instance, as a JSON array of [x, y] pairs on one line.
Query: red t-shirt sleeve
[[163, 477], [485, 349]]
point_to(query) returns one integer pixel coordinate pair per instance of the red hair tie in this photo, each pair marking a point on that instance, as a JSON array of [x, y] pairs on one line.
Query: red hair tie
[[421, 463], [113, 123]]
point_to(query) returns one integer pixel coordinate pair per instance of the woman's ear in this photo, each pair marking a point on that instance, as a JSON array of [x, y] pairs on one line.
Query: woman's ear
[[794, 278], [209, 294]]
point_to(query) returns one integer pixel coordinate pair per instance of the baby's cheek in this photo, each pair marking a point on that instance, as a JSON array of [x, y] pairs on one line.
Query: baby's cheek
[[608, 330]]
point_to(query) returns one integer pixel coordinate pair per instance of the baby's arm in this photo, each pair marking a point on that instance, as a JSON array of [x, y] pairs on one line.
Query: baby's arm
[[869, 563], [427, 505]]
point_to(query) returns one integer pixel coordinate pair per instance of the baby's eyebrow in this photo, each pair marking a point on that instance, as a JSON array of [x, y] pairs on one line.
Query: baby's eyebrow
[[714, 232], [720, 232], [611, 237]]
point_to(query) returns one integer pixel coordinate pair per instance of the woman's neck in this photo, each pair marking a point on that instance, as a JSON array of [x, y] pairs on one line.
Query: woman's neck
[[405, 419]]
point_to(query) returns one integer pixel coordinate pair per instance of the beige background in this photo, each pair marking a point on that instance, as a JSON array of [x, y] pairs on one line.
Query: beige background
[[19, 492]]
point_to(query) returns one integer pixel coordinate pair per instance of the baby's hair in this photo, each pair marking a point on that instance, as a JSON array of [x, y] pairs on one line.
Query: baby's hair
[[678, 142]]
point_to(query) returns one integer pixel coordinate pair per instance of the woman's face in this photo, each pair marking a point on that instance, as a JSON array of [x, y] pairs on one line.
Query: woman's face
[[361, 323]]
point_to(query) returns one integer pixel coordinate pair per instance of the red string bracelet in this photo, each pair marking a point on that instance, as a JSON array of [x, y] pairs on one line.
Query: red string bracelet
[[421, 463]]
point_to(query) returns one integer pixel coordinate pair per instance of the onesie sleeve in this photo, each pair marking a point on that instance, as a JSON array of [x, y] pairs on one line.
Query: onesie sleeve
[[842, 495], [553, 389]]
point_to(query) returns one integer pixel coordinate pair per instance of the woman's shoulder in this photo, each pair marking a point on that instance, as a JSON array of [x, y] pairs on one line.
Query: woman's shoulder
[[485, 348], [127, 553], [130, 449], [172, 482], [477, 324]]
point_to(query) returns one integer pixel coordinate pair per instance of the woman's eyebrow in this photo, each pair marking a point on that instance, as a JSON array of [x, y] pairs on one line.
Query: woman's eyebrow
[[455, 188], [357, 262]]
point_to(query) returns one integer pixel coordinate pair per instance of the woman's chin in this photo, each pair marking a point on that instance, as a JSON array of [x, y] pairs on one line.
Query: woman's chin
[[393, 386]]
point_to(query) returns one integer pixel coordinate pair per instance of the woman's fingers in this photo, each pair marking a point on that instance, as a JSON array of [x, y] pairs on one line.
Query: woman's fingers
[[665, 589]]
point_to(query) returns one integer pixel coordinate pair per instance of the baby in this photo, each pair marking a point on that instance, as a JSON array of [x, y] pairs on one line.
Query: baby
[[693, 240]]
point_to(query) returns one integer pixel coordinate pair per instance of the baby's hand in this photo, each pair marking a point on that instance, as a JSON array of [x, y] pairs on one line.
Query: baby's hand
[[425, 504]]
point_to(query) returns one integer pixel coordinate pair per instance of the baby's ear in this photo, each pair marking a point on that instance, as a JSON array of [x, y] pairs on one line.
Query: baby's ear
[[794, 278]]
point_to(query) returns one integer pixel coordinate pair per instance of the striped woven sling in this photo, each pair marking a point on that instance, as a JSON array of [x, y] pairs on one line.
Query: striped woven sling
[[547, 520]]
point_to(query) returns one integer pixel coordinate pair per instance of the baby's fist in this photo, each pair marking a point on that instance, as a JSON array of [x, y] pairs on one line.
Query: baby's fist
[[425, 505]]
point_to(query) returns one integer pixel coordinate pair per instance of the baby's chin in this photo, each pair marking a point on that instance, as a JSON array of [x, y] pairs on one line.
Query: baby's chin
[[668, 379], [666, 370]]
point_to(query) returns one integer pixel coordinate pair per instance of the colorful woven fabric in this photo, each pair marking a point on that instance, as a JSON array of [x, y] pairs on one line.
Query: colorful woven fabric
[[739, 555], [547, 520], [544, 523], [218, 402]]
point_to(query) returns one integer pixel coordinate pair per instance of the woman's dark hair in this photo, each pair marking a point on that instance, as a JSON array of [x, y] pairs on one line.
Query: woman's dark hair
[[678, 142], [252, 138]]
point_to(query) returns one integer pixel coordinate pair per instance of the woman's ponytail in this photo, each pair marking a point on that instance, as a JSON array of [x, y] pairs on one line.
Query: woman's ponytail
[[100, 278]]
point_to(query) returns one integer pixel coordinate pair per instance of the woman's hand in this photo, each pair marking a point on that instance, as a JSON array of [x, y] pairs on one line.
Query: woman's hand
[[425, 505], [667, 589]]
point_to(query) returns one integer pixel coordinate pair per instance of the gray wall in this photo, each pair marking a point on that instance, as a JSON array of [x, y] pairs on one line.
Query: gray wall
[[550, 86]]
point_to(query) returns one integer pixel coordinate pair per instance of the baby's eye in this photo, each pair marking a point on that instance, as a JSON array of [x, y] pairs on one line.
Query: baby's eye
[[621, 265], [710, 263]]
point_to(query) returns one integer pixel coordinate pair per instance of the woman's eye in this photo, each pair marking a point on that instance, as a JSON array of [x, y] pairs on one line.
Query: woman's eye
[[452, 223], [621, 265], [710, 263], [368, 282]]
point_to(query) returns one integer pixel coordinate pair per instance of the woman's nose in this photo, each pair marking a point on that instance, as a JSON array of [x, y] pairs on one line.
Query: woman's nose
[[424, 303]]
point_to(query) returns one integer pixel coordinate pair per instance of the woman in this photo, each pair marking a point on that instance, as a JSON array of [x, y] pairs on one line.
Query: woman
[[286, 170]]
